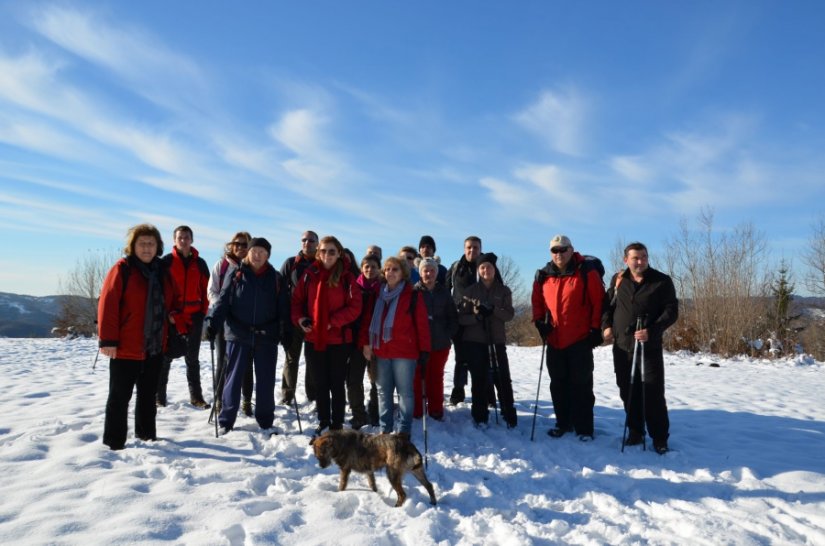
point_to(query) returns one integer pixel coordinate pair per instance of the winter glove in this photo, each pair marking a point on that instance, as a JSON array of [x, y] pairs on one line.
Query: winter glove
[[595, 338], [484, 310], [544, 328], [211, 334], [423, 357]]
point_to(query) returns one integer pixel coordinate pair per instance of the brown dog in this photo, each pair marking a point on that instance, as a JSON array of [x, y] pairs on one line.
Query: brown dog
[[366, 453]]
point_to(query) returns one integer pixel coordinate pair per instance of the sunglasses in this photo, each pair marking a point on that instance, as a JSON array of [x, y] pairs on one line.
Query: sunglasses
[[328, 251], [559, 249], [308, 241], [240, 244]]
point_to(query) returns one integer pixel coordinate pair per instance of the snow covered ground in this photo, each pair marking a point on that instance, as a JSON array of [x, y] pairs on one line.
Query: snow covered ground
[[748, 466]]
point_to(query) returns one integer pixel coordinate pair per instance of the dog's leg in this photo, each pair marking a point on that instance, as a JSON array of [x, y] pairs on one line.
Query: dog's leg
[[344, 479], [418, 472], [371, 480], [395, 478]]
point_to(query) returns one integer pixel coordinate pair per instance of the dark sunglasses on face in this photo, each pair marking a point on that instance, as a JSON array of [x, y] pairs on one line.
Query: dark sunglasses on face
[[308, 241], [559, 249], [329, 251], [240, 244]]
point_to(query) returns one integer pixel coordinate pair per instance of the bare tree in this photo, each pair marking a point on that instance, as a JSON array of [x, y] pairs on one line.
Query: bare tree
[[616, 263], [814, 258], [520, 330], [78, 312], [720, 281]]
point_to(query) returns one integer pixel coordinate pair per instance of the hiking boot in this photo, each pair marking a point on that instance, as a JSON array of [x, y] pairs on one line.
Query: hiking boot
[[481, 425], [557, 432], [224, 431], [634, 438], [246, 407], [357, 423], [199, 403], [320, 429], [160, 402], [457, 396], [660, 446], [585, 437], [286, 399]]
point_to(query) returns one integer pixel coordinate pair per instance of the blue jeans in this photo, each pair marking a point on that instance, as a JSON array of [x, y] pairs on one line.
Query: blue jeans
[[395, 374]]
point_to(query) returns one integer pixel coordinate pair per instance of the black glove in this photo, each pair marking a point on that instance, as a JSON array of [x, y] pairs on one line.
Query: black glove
[[211, 333], [423, 357], [595, 338], [483, 309], [544, 328]]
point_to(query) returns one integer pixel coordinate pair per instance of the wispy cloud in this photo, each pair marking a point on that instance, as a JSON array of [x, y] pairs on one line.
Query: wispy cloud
[[559, 118]]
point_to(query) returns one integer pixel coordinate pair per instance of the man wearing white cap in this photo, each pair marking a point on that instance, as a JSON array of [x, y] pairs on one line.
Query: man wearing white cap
[[567, 305]]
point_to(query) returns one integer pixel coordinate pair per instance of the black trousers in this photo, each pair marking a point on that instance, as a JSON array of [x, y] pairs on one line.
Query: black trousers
[[482, 371], [355, 383], [571, 386], [192, 358], [329, 367], [289, 380], [653, 409], [124, 375]]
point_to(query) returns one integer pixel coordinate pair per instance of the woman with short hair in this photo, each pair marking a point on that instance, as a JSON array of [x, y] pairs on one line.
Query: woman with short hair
[[132, 326]]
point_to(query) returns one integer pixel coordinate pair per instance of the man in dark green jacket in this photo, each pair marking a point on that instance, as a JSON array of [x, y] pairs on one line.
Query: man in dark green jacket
[[647, 296]]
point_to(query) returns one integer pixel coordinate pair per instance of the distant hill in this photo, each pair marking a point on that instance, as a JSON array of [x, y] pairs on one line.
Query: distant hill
[[28, 316]]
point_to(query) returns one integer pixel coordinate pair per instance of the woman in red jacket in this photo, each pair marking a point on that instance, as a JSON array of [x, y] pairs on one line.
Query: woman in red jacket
[[397, 331], [324, 304], [131, 314]]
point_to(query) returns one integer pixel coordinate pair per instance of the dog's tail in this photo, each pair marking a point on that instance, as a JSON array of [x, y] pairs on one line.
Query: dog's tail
[[413, 456]]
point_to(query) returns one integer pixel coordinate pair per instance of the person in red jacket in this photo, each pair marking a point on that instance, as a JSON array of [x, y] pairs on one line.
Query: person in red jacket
[[132, 312], [397, 331], [567, 305], [189, 276], [324, 304]]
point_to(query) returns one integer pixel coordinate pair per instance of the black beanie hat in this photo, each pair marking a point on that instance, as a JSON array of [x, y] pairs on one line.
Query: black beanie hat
[[427, 240], [488, 257], [261, 242]]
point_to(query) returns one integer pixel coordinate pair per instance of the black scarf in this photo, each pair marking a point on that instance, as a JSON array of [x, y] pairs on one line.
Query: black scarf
[[154, 316]]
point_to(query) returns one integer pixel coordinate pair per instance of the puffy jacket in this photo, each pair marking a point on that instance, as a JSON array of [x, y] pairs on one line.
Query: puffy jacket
[[461, 275], [121, 309], [253, 306], [500, 299], [344, 304], [410, 331], [654, 299], [442, 313], [190, 280], [572, 312]]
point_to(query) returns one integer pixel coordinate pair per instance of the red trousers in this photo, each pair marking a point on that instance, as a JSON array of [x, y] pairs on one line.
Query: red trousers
[[434, 384]]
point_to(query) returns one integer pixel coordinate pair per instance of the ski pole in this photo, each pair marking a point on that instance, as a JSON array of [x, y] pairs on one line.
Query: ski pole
[[214, 385], [632, 384], [97, 355], [491, 351], [644, 409], [297, 413], [425, 409], [538, 390]]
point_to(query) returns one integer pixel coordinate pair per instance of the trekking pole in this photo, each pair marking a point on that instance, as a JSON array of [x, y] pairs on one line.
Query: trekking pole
[[97, 355], [214, 385], [425, 409], [642, 364], [491, 350], [632, 384], [297, 413], [538, 390]]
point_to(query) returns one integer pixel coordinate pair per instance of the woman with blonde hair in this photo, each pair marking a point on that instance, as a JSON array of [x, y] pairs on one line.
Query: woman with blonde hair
[[399, 336]]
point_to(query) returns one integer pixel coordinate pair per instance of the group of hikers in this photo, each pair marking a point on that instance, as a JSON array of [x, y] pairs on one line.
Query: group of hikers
[[393, 320]]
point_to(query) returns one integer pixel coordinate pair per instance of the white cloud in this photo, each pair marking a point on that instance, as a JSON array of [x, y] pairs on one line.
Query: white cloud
[[631, 168], [558, 119]]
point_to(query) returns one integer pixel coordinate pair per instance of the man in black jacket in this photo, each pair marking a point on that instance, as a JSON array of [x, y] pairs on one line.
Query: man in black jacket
[[291, 270], [462, 275], [641, 293]]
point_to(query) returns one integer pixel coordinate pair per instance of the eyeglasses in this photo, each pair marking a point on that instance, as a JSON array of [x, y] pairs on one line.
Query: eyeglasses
[[410, 257], [240, 244], [391, 269], [328, 251], [308, 241], [559, 249]]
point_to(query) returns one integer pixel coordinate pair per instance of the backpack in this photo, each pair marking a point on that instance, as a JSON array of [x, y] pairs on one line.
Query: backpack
[[590, 263]]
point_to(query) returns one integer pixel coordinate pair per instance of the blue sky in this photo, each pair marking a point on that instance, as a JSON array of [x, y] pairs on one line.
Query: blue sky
[[382, 121]]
